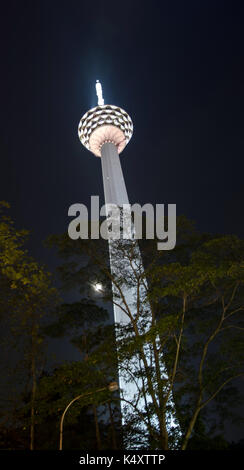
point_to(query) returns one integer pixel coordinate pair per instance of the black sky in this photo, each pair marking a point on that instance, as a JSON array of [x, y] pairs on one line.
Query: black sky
[[176, 67]]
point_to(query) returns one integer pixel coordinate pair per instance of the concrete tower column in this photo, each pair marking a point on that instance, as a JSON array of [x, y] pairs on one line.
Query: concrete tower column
[[113, 179]]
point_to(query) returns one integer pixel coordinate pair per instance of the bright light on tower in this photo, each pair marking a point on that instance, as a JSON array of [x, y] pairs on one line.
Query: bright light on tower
[[100, 100]]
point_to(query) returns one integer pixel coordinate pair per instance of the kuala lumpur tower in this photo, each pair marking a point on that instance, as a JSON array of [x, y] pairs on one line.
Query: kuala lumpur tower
[[105, 130]]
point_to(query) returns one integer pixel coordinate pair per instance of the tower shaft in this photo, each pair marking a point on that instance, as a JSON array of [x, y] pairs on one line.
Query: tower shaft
[[113, 179]]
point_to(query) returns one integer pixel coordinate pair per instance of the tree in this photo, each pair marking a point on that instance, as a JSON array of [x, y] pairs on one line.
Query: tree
[[191, 349], [29, 295], [35, 301], [83, 322], [11, 258], [202, 439]]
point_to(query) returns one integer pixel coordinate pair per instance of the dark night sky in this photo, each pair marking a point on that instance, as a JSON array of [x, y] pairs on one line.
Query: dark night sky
[[175, 66]]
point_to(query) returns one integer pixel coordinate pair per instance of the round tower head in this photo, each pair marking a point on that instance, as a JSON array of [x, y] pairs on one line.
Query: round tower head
[[106, 123]]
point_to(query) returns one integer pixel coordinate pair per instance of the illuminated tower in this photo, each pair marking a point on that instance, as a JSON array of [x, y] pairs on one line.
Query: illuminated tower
[[105, 130]]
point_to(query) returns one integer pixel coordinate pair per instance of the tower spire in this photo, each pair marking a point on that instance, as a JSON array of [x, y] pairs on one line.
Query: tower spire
[[99, 91]]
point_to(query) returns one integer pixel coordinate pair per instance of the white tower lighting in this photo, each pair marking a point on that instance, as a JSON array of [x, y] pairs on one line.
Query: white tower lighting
[[100, 100]]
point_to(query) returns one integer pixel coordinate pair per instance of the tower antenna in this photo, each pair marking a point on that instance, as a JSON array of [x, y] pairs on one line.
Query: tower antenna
[[100, 100]]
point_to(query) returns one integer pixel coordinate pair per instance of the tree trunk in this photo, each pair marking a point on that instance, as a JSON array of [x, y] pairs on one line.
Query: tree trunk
[[114, 442], [190, 429], [98, 437], [33, 396], [163, 433]]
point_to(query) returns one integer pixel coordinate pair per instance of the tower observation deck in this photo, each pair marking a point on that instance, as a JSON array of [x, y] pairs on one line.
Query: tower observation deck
[[105, 130]]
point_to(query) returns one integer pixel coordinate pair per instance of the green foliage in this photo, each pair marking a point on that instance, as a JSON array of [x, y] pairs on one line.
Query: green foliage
[[28, 295], [195, 294], [189, 345]]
